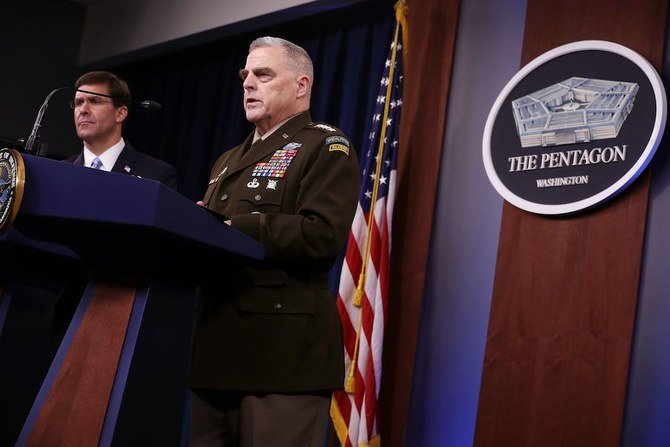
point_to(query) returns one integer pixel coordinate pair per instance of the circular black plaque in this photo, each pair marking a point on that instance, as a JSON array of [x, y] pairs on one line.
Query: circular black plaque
[[574, 127]]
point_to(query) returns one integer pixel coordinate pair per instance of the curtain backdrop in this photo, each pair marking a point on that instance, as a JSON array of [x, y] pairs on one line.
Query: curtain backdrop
[[201, 92]]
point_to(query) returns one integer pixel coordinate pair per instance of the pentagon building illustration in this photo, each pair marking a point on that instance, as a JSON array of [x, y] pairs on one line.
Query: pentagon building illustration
[[573, 111]]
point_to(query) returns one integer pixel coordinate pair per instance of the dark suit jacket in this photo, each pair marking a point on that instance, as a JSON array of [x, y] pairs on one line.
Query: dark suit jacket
[[136, 163], [275, 327]]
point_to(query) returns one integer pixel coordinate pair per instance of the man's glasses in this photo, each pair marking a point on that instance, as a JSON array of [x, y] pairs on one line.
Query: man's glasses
[[97, 99]]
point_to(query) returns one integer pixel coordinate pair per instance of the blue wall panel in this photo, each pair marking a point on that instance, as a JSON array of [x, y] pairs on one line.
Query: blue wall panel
[[456, 306], [647, 418]]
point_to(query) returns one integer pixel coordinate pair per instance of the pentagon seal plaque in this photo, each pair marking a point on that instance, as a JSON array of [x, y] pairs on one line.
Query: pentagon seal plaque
[[574, 127]]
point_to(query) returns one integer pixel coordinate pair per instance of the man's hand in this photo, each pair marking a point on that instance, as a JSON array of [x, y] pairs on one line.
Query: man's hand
[[202, 204]]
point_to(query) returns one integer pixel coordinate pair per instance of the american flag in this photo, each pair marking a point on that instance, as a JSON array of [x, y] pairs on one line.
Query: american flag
[[363, 291]]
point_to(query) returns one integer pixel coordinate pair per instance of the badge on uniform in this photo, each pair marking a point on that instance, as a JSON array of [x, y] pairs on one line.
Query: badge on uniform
[[325, 127], [338, 143], [216, 179], [337, 139], [278, 163], [253, 184], [338, 147]]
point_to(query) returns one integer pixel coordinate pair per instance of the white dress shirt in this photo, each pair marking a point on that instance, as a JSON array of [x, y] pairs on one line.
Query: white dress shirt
[[108, 158]]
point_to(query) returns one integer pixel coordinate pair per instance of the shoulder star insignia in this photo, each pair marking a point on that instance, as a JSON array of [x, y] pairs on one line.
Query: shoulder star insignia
[[325, 127]]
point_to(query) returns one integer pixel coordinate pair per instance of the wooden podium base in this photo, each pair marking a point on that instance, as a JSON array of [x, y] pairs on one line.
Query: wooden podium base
[[120, 373]]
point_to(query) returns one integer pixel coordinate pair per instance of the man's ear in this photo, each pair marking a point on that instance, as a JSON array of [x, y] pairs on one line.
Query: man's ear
[[121, 114], [304, 83]]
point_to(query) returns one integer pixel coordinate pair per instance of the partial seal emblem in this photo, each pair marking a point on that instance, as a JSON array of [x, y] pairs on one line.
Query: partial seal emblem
[[12, 180]]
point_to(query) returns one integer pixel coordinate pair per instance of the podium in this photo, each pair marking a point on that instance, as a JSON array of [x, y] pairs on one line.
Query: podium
[[119, 376], [33, 318]]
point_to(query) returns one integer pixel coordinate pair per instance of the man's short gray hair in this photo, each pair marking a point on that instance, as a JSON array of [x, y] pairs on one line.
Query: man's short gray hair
[[296, 55]]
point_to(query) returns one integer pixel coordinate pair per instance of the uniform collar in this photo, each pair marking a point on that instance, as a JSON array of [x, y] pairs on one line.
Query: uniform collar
[[258, 136]]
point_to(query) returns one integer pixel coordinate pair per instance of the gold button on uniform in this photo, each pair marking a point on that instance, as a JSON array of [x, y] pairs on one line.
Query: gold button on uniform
[[258, 197]]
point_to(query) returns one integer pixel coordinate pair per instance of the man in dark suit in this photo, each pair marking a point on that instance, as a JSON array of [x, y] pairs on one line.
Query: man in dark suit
[[268, 349], [101, 104]]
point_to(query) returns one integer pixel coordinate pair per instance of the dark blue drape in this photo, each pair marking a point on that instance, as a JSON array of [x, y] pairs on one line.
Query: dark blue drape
[[201, 92]]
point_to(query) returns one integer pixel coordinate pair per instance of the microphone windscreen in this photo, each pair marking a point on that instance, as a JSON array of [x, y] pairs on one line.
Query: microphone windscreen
[[151, 105]]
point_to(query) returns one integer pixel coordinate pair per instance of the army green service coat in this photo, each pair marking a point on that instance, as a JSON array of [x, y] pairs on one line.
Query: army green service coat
[[275, 327]]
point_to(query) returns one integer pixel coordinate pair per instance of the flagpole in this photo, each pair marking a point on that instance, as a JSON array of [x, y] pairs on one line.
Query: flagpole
[[349, 384]]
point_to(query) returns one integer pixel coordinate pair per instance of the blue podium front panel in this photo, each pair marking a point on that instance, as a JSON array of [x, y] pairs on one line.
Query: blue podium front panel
[[119, 222]]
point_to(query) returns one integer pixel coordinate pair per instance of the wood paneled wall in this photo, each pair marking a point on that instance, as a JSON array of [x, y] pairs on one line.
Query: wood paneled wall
[[565, 291]]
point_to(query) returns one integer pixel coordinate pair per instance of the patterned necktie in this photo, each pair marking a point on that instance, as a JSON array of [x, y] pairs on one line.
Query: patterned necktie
[[96, 163]]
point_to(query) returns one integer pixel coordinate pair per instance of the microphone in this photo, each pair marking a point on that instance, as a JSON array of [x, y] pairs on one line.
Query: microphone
[[149, 104], [32, 140]]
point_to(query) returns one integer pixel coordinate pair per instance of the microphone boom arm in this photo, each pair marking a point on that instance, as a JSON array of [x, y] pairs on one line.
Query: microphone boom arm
[[34, 134]]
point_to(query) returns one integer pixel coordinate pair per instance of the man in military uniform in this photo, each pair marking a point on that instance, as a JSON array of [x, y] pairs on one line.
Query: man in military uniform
[[268, 349]]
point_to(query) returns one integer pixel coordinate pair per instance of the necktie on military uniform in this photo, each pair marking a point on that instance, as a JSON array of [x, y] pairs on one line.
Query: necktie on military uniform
[[96, 163], [253, 145]]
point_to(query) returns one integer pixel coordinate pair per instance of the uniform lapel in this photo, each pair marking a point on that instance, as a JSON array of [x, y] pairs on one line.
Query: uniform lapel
[[234, 161], [277, 140]]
